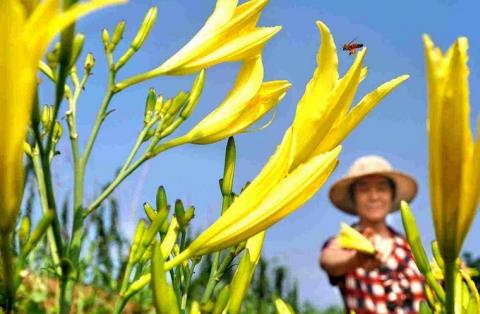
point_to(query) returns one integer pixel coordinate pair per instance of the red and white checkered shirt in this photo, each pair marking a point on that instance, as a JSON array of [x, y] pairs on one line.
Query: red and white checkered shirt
[[397, 286]]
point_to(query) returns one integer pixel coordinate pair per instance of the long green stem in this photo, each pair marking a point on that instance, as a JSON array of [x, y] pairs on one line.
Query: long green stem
[[6, 251], [450, 270]]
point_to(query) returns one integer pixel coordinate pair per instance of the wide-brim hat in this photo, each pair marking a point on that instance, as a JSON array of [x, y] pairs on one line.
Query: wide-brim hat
[[405, 186]]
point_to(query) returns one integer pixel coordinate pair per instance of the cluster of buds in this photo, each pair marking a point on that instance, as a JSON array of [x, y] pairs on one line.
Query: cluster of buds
[[162, 117]]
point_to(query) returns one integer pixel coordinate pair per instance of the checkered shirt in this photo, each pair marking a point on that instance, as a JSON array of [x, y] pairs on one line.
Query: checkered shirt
[[395, 287]]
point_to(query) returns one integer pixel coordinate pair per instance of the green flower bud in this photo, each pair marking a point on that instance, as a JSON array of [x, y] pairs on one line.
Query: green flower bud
[[57, 132], [222, 300], [38, 232], [161, 199], [145, 28], [89, 63], [77, 47], [166, 107], [413, 236], [229, 168], [137, 239], [47, 117], [117, 35], [158, 105], [178, 102], [180, 213], [197, 89], [189, 214], [105, 39], [163, 295], [53, 56], [149, 211], [149, 105], [437, 255], [24, 230]]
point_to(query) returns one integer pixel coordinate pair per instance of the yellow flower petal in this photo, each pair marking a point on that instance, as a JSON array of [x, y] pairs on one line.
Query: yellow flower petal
[[239, 48], [344, 126], [268, 96], [240, 223], [246, 87], [313, 128], [228, 35]]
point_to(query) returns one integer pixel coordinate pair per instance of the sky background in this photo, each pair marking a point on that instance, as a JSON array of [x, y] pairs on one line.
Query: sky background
[[391, 31]]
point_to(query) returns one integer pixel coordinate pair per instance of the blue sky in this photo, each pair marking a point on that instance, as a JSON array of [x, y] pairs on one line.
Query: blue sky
[[391, 31]]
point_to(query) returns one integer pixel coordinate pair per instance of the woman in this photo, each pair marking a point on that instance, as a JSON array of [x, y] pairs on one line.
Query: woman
[[388, 282]]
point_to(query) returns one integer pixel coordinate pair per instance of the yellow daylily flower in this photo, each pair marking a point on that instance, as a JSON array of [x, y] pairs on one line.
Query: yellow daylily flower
[[249, 215], [229, 35], [454, 157], [244, 273], [27, 29], [350, 238], [247, 102], [323, 119], [282, 307]]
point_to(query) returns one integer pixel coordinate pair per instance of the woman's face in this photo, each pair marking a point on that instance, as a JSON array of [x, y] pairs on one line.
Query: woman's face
[[373, 198]]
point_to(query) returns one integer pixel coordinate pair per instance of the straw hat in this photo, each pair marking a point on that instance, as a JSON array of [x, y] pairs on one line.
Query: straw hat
[[405, 185]]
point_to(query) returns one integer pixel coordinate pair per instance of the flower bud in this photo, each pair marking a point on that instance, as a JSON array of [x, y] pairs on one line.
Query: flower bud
[[105, 39], [38, 232], [437, 255], [145, 28], [47, 117], [229, 168], [89, 63], [77, 47], [197, 89], [149, 105], [413, 236], [53, 56], [161, 199], [163, 295], [117, 35], [57, 132], [178, 102], [158, 105], [222, 300], [137, 239], [149, 211], [24, 230]]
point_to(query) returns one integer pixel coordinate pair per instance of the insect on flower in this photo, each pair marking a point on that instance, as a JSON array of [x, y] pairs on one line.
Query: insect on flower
[[352, 46]]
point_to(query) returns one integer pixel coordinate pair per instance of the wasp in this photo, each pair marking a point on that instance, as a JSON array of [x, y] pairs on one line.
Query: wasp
[[352, 46]]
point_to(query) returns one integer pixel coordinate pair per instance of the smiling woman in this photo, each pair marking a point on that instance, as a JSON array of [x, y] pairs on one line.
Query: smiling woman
[[388, 280]]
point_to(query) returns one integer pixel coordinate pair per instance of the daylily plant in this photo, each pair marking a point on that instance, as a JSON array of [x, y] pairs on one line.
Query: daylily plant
[[27, 29], [454, 156], [302, 162]]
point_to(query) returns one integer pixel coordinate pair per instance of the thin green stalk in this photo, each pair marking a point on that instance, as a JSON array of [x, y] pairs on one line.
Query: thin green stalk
[[120, 177], [138, 143], [6, 251], [37, 168], [119, 305], [450, 270]]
